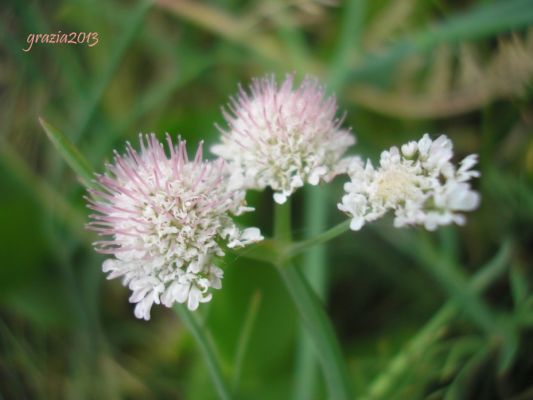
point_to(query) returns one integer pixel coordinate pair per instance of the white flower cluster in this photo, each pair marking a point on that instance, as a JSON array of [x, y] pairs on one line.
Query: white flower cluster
[[283, 137], [418, 182], [167, 217]]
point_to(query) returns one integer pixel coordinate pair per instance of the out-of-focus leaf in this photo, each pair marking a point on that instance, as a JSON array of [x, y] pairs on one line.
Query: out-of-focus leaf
[[69, 152]]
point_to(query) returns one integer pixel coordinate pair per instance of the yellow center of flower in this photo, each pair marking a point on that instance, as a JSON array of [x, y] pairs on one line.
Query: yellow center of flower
[[395, 184]]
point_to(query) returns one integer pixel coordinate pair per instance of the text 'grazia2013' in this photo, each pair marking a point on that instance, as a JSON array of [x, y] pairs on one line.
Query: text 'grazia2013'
[[89, 38]]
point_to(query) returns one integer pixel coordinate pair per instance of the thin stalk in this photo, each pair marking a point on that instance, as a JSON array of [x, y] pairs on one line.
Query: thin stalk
[[282, 222], [312, 314], [207, 349], [43, 193], [70, 153], [134, 24], [315, 272], [324, 237]]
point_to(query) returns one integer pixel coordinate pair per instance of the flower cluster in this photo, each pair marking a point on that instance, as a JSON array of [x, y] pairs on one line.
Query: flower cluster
[[166, 217], [282, 137], [418, 182]]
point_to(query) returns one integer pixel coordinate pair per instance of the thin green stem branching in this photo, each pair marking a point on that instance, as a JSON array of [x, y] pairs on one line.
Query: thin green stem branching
[[332, 233]]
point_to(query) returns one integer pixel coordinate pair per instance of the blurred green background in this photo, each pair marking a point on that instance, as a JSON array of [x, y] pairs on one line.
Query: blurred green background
[[399, 68]]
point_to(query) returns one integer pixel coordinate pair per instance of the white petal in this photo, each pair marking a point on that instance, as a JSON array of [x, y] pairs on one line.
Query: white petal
[[280, 198], [357, 223], [194, 298]]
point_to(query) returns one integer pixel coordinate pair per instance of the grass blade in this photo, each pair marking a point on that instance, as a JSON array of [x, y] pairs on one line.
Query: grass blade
[[70, 153], [244, 337], [484, 21]]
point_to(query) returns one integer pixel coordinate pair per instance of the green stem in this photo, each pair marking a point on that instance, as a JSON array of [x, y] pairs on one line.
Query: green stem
[[314, 260], [324, 237], [282, 222], [207, 348], [312, 314], [266, 251], [320, 330]]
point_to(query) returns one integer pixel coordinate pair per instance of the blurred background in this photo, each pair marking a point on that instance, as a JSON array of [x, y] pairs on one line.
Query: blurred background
[[400, 68]]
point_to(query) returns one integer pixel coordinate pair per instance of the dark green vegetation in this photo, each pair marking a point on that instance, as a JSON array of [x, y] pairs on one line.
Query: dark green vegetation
[[446, 315]]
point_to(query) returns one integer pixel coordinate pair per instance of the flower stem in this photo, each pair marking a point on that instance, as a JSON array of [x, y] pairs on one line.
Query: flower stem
[[207, 349], [312, 314], [315, 217], [324, 237], [320, 330], [282, 222]]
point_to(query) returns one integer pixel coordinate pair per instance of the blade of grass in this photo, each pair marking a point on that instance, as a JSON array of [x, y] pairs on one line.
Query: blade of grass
[[70, 153], [348, 43], [432, 331], [244, 338], [459, 388], [292, 38], [483, 21], [207, 348], [453, 281], [33, 21], [42, 192], [134, 25], [224, 25], [154, 98]]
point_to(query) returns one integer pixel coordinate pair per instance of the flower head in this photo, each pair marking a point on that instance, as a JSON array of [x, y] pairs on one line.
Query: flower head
[[418, 182], [282, 137], [167, 218]]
